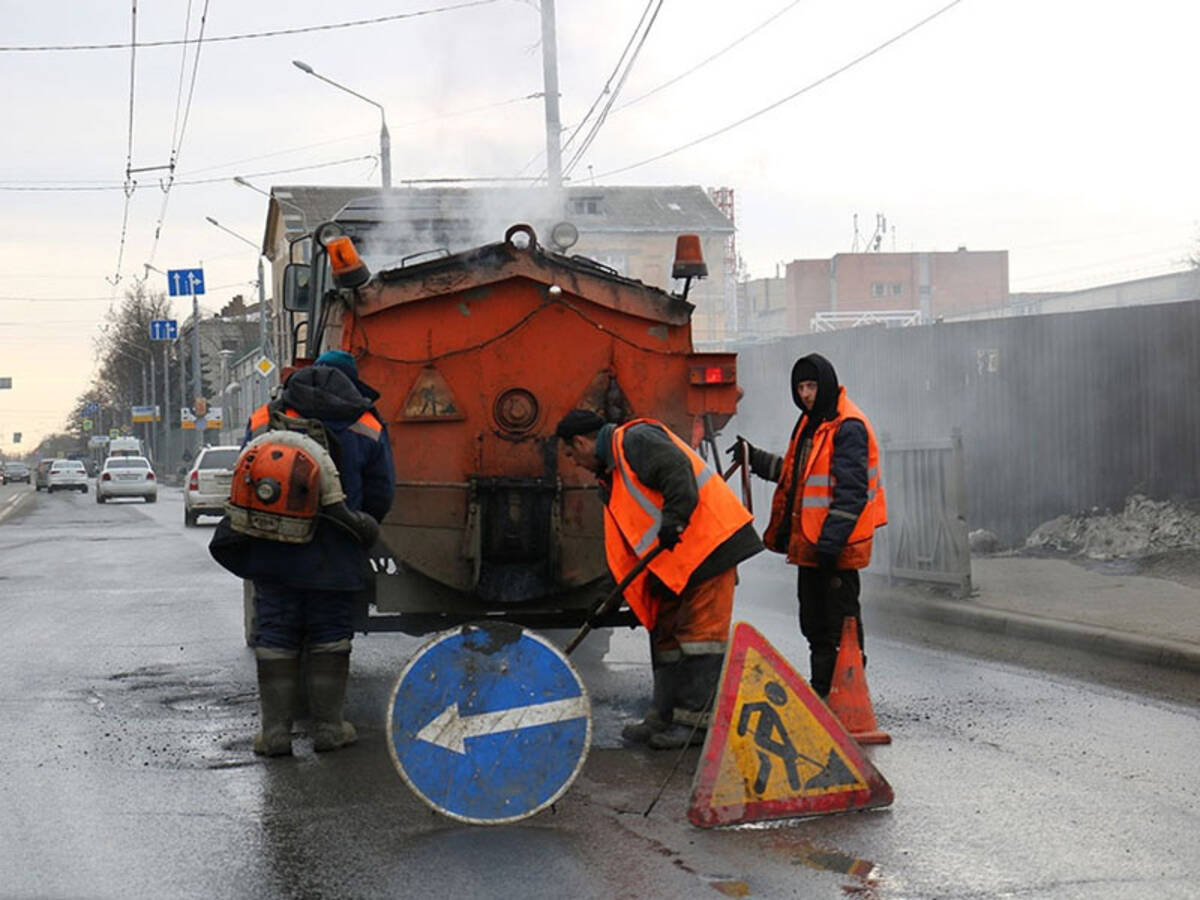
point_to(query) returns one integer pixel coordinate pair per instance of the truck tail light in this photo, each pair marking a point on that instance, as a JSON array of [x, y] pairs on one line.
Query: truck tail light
[[194, 482], [712, 374], [106, 477], [149, 476]]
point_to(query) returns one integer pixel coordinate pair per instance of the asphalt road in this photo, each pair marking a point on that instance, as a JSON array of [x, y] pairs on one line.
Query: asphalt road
[[128, 703]]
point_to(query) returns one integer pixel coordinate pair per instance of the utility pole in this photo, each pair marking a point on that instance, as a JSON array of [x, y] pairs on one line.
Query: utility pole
[[152, 426], [550, 81], [196, 386]]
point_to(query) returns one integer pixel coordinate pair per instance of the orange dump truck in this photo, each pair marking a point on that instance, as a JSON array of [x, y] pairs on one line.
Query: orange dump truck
[[477, 355]]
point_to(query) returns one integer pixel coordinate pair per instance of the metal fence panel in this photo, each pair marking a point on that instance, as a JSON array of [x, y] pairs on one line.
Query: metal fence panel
[[926, 534], [1057, 413]]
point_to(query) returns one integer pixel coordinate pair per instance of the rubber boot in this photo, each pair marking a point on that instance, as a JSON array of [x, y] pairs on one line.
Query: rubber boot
[[697, 682], [327, 675], [278, 685], [658, 718]]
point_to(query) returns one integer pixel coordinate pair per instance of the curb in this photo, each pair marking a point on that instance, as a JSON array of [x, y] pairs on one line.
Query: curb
[[15, 503], [1140, 648]]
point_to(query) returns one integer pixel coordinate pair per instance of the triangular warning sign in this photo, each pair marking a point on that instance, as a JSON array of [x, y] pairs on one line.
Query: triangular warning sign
[[430, 399], [774, 750]]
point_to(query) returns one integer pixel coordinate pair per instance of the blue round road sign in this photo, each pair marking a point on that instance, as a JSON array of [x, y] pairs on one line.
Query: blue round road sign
[[489, 723]]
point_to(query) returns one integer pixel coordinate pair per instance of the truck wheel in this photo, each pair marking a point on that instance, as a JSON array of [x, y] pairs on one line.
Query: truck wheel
[[189, 519], [99, 498], [153, 499]]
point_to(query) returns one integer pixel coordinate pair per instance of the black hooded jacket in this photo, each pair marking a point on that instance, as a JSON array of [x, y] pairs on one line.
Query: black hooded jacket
[[332, 560], [849, 466]]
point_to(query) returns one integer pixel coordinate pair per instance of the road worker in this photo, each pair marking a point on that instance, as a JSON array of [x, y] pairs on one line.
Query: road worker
[[827, 505], [658, 492], [303, 592]]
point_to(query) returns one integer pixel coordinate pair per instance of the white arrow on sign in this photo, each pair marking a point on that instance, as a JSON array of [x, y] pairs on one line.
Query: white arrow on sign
[[449, 730]]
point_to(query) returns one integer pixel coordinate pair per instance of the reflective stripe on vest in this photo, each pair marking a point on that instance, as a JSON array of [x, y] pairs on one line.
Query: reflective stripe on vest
[[260, 419], [366, 424], [633, 517]]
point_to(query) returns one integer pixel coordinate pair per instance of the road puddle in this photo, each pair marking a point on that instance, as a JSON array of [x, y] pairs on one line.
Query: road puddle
[[804, 852]]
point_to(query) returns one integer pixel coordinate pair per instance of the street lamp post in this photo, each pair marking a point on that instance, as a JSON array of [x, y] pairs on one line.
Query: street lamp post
[[263, 342], [225, 416], [385, 141], [140, 362]]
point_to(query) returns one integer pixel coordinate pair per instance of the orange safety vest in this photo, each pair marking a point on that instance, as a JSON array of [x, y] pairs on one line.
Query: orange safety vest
[[366, 424], [633, 516], [815, 494]]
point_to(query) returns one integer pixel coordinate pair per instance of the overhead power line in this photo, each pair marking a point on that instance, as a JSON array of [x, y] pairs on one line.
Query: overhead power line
[[682, 75], [712, 58], [608, 83], [50, 48], [185, 182], [792, 96], [211, 287], [612, 98]]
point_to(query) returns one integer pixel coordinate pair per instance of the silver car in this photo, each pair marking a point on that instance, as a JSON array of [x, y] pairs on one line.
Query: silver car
[[66, 475], [127, 476], [208, 483]]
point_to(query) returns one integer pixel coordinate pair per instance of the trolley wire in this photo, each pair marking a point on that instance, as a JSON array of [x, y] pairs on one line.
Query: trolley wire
[[180, 128], [129, 184], [379, 20]]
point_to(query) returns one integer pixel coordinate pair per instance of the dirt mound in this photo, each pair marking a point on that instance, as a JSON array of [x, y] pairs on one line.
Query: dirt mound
[[1144, 528]]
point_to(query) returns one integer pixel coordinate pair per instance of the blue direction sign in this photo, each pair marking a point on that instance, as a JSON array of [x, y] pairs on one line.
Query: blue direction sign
[[164, 329], [185, 282], [489, 723]]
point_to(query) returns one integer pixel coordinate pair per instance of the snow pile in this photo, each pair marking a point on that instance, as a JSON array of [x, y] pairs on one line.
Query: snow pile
[[1143, 528]]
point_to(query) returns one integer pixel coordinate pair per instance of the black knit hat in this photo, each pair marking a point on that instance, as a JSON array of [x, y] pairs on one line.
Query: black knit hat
[[804, 370], [578, 421]]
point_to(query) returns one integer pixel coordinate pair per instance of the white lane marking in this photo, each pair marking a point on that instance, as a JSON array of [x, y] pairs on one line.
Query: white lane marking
[[449, 730]]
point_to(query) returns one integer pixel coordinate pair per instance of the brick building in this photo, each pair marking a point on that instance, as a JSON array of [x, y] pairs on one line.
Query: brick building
[[853, 288]]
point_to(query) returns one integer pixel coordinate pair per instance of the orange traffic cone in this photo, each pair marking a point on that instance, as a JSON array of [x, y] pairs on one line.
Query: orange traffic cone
[[849, 698]]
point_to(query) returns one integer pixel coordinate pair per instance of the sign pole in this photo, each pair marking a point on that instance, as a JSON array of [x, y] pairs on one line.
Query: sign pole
[[165, 440]]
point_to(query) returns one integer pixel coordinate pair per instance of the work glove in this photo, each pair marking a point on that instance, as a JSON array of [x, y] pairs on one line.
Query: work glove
[[668, 535], [360, 524], [736, 450]]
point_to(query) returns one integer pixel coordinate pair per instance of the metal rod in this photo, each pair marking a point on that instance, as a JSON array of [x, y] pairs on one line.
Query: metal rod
[[614, 599]]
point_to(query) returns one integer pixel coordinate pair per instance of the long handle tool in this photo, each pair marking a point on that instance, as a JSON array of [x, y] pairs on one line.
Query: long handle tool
[[743, 463], [613, 600]]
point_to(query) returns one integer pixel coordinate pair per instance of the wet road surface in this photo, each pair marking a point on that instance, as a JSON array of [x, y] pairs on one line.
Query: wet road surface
[[128, 702]]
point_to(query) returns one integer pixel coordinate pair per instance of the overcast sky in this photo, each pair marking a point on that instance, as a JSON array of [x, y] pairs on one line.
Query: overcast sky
[[1063, 132]]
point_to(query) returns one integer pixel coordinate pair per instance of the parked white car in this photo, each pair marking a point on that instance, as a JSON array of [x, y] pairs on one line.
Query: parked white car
[[67, 475], [126, 476], [208, 483]]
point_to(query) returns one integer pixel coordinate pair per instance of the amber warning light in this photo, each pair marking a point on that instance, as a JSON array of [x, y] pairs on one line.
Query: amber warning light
[[349, 271], [689, 260]]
